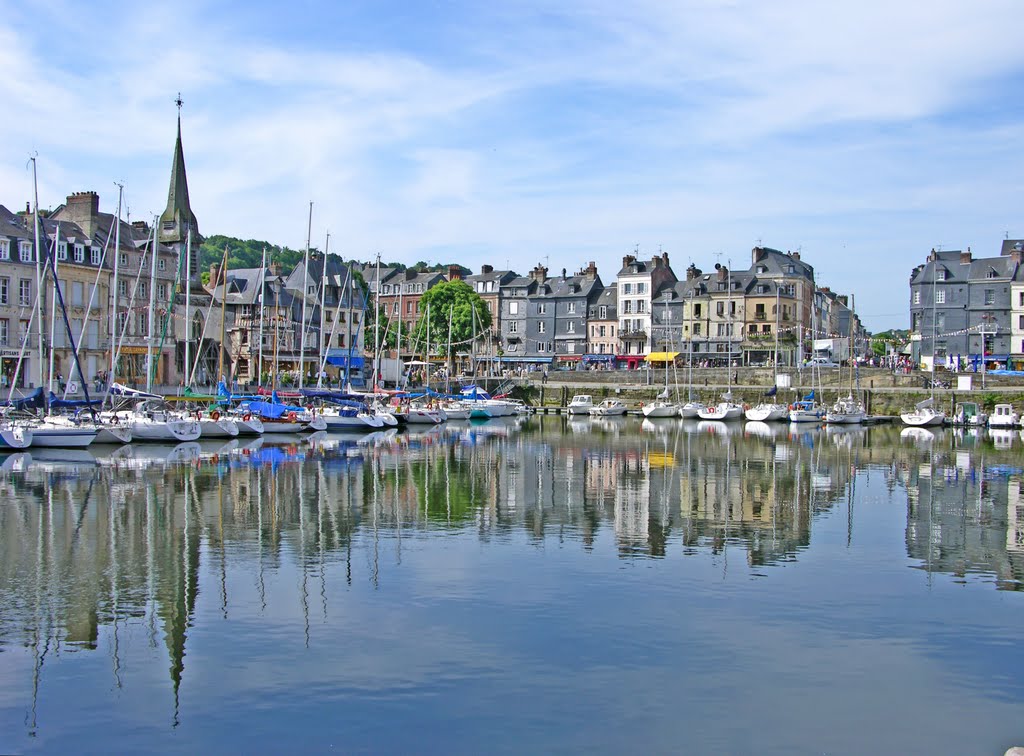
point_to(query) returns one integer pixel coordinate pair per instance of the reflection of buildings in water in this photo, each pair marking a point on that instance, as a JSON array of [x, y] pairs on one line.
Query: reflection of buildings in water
[[966, 521]]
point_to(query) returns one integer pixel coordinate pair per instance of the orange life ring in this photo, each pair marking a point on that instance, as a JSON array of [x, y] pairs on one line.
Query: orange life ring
[[247, 417], [292, 417], [215, 416], [792, 407]]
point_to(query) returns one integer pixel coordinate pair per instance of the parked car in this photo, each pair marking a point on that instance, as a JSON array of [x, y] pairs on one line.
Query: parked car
[[821, 362]]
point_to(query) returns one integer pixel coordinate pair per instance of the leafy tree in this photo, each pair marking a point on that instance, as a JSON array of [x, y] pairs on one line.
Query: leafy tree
[[453, 301]]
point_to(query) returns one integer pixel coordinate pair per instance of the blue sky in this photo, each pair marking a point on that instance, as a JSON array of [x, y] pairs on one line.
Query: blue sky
[[862, 134]]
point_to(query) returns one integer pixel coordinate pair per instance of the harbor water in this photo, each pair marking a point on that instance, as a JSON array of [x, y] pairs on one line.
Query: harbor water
[[522, 585]]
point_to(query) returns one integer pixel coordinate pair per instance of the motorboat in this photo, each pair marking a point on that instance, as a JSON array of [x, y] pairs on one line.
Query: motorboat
[[660, 408], [106, 433], [969, 414], [282, 418], [691, 410], [456, 409], [846, 410], [767, 413], [806, 411], [1003, 416], [421, 414], [608, 408], [152, 420], [581, 404], [350, 418], [215, 425], [724, 410], [57, 434], [923, 414]]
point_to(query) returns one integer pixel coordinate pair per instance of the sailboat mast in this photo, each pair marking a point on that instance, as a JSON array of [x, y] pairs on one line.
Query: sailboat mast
[[223, 315], [728, 327], [376, 329], [349, 287], [323, 322], [263, 288], [39, 274], [150, 370], [689, 377], [115, 294], [188, 294], [448, 375], [53, 303], [305, 279], [775, 359]]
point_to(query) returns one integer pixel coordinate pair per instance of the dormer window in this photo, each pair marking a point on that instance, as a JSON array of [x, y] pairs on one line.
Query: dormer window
[[79, 253], [762, 269], [940, 274], [5, 249], [62, 251], [992, 273], [25, 251], [95, 255]]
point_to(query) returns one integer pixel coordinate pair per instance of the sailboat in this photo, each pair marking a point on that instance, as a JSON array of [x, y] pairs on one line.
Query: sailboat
[[766, 412], [924, 413], [691, 408], [661, 406], [847, 410], [725, 409]]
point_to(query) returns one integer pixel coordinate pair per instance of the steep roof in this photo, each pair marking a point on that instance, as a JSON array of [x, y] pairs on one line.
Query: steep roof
[[178, 217]]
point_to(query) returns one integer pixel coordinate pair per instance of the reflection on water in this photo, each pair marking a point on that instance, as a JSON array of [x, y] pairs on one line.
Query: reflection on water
[[104, 551]]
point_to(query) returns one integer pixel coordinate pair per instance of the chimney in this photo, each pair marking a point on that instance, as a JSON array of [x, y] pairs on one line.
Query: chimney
[[723, 272], [28, 208], [82, 209], [692, 272], [843, 300], [454, 273], [826, 289], [274, 269], [664, 258], [758, 253], [628, 260], [965, 257], [1017, 255], [486, 269], [591, 270], [214, 274], [539, 274], [796, 256]]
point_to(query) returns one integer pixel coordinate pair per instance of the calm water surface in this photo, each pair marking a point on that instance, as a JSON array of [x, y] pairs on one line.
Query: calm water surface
[[549, 585]]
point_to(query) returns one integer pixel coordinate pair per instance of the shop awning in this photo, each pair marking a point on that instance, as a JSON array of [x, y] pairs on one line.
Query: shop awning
[[599, 358], [569, 358], [339, 360], [538, 360], [662, 356]]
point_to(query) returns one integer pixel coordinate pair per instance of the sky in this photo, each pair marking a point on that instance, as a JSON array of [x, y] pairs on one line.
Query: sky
[[521, 133]]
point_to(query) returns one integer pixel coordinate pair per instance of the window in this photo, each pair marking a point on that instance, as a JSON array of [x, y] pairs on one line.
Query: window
[[142, 288], [940, 274], [513, 308], [603, 310], [161, 264], [720, 308], [696, 329], [627, 288], [25, 292], [311, 289], [409, 308], [79, 253], [95, 255], [162, 292], [917, 297], [4, 331], [600, 331], [571, 309], [62, 251], [122, 288], [394, 308], [541, 327], [542, 309], [627, 306], [25, 251], [23, 330], [641, 305], [571, 327], [122, 260], [5, 290], [990, 296], [940, 296], [513, 326], [696, 311], [641, 288], [77, 293], [5, 252]]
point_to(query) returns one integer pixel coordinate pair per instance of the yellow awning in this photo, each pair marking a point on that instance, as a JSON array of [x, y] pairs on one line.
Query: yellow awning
[[661, 356]]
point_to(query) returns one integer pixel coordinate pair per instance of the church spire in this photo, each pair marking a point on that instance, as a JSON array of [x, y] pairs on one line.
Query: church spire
[[178, 218]]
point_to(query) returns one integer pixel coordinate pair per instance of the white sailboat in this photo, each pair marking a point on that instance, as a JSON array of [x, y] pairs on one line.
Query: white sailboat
[[661, 406], [726, 409], [691, 408], [924, 413], [767, 412], [847, 410]]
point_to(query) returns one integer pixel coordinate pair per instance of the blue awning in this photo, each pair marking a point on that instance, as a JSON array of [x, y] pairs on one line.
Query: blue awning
[[339, 360], [599, 358], [527, 359]]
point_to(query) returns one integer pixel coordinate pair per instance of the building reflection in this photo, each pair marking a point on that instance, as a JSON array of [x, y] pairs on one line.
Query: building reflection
[[90, 544]]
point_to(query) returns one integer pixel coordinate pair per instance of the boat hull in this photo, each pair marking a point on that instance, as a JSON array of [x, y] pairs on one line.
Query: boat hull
[[62, 438]]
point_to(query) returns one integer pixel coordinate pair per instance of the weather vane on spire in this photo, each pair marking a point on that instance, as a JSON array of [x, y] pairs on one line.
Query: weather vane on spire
[[179, 102]]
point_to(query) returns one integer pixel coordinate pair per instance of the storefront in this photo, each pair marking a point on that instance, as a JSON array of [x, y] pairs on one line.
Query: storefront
[[630, 361]]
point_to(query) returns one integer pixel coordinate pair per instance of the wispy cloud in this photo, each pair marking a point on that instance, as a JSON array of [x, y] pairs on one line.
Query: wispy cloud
[[860, 132]]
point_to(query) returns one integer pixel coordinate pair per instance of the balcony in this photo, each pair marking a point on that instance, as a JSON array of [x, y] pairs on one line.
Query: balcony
[[759, 315], [633, 335]]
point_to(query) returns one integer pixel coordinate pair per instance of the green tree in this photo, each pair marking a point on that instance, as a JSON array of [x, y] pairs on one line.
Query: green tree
[[455, 302]]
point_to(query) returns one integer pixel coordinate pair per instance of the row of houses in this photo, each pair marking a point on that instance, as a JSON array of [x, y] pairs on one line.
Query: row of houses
[[968, 311], [134, 289]]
